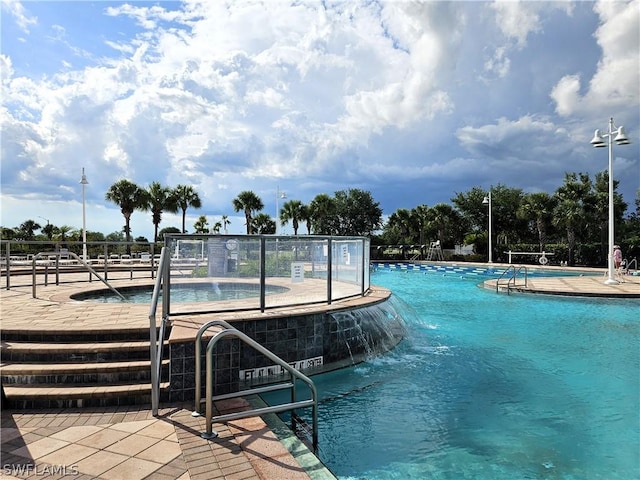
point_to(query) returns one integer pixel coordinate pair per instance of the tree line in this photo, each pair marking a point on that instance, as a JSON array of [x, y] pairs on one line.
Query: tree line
[[348, 213], [575, 214]]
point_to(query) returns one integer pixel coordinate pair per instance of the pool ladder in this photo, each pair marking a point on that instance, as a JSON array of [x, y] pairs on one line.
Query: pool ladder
[[511, 275], [229, 331]]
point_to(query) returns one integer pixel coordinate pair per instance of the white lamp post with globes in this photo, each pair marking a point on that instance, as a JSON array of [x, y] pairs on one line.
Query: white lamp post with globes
[[487, 201], [84, 183], [279, 195], [598, 141]]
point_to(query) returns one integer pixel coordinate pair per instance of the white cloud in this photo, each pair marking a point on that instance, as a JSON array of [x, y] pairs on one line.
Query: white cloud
[[20, 14], [313, 97], [615, 86]]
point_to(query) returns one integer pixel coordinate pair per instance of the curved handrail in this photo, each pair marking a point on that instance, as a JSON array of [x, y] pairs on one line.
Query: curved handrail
[[295, 374], [155, 350], [76, 257], [510, 267], [512, 279], [198, 355]]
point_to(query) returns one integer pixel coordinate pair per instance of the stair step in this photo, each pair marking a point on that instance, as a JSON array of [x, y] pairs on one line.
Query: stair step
[[7, 369], [95, 347], [79, 373], [22, 392], [70, 336], [80, 396], [24, 352]]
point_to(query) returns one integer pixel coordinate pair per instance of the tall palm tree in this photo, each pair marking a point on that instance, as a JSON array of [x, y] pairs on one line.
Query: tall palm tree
[[216, 227], [263, 224], [249, 203], [305, 216], [572, 208], [159, 199], [420, 215], [129, 197], [64, 232], [201, 225], [400, 222], [185, 196], [291, 210], [27, 229], [538, 207], [225, 222], [323, 215], [50, 230], [443, 218]]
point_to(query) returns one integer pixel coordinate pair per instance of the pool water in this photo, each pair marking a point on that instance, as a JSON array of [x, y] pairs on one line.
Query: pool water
[[183, 293], [489, 386]]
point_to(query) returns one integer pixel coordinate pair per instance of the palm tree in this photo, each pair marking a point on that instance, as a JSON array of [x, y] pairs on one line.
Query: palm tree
[[305, 216], [400, 223], [263, 224], [420, 215], [27, 229], [539, 208], [216, 227], [50, 230], [249, 203], [63, 231], [201, 225], [291, 210], [159, 199], [225, 222], [322, 210], [185, 196], [572, 209], [443, 218], [129, 197]]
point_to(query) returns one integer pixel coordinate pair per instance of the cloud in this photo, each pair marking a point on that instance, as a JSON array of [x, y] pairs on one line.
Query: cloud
[[313, 97], [615, 86], [21, 16]]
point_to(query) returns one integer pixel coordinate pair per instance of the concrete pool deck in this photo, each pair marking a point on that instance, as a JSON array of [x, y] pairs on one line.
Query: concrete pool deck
[[129, 442]]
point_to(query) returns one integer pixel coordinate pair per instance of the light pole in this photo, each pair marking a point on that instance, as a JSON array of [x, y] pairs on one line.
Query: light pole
[[279, 195], [487, 201], [84, 183], [598, 141]]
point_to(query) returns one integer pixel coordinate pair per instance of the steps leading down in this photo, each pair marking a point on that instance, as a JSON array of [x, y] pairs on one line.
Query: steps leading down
[[78, 369]]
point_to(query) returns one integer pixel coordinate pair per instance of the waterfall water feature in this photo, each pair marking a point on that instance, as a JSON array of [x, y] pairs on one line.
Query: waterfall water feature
[[369, 331]]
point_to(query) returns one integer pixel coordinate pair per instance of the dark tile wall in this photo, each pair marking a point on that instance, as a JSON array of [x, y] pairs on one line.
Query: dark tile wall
[[341, 338]]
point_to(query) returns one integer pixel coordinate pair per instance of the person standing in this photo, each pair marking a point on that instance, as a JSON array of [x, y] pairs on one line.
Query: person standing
[[617, 256]]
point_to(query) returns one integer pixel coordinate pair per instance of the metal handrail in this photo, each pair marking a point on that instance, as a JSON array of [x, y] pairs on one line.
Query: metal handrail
[[627, 266], [198, 356], [512, 278], [293, 405], [76, 257], [156, 340]]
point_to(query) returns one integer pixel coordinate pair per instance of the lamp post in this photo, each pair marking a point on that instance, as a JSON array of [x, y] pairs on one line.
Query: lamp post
[[84, 183], [487, 201], [279, 195], [598, 142]]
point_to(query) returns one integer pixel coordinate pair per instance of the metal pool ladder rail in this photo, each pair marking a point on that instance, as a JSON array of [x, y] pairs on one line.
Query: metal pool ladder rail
[[230, 331], [511, 279]]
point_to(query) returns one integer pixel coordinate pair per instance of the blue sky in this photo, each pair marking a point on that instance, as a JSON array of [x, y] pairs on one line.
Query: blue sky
[[412, 101]]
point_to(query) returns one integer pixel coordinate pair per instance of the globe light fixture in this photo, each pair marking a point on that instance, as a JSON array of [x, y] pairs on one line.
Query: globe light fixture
[[598, 142], [84, 183], [487, 201]]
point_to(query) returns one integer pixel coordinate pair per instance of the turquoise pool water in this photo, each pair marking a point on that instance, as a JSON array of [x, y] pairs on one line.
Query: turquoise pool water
[[489, 386], [183, 293]]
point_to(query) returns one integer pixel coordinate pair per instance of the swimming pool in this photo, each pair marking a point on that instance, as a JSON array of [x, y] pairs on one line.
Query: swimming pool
[[489, 386], [182, 293]]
